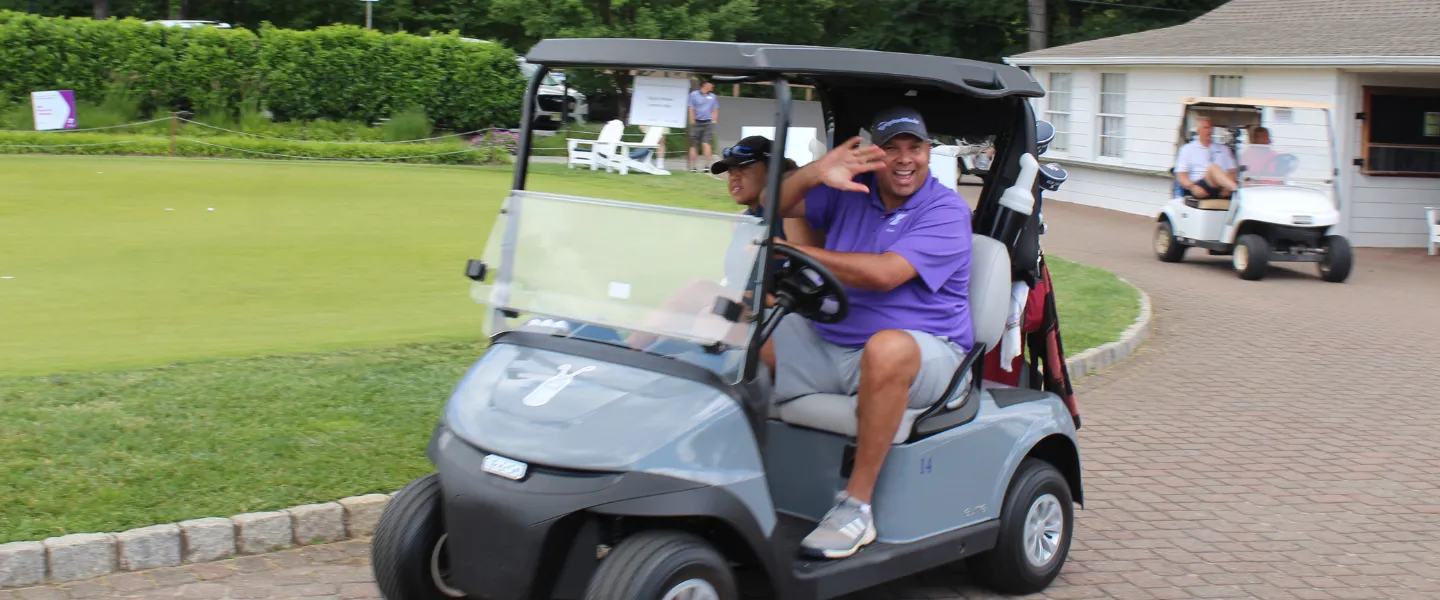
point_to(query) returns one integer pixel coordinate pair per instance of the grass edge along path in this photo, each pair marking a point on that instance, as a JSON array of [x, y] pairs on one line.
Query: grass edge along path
[[111, 451]]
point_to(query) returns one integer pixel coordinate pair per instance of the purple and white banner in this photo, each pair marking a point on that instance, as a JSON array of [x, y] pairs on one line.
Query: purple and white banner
[[54, 109]]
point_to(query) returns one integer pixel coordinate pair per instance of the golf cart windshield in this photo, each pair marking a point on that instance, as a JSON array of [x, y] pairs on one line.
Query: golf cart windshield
[[639, 275], [1299, 151]]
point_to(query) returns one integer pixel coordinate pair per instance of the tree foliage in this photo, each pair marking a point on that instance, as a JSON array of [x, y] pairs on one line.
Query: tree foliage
[[982, 29], [978, 29], [335, 72]]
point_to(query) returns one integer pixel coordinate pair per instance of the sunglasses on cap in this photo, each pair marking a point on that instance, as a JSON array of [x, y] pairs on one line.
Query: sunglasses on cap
[[740, 151]]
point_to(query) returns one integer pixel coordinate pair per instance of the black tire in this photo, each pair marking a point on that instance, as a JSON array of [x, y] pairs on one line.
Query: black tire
[[648, 565], [1252, 257], [1167, 248], [1338, 260], [408, 541], [1006, 568]]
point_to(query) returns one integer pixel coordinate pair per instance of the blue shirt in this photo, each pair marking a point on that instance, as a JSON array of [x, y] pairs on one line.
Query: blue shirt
[[931, 230], [704, 104], [737, 264], [779, 262]]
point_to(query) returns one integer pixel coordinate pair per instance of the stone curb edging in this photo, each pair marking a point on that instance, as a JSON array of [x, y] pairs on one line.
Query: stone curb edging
[[80, 556], [1099, 358], [87, 555]]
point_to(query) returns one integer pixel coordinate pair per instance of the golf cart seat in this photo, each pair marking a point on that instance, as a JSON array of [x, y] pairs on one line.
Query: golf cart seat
[[989, 308], [1200, 203], [1207, 203]]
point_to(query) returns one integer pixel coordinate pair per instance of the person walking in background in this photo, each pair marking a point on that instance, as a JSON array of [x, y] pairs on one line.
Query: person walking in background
[[704, 112]]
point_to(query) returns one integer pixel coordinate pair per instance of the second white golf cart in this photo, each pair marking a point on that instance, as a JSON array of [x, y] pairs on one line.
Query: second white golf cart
[[1287, 205]]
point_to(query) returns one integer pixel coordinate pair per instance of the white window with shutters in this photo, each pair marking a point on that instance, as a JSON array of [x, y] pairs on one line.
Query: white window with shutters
[[1057, 109], [1227, 86], [1111, 117]]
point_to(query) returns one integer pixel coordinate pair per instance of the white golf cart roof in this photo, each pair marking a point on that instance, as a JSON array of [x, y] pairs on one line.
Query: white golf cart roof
[[1237, 112], [1253, 102]]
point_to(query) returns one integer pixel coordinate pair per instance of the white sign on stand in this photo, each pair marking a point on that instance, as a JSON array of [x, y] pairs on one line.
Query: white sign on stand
[[945, 165], [797, 141], [660, 102], [53, 109]]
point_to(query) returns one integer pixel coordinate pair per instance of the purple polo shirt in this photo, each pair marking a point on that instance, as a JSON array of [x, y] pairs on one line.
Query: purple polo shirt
[[931, 230]]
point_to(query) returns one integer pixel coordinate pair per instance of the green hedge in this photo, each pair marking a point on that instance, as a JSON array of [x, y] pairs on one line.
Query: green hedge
[[340, 72], [245, 147]]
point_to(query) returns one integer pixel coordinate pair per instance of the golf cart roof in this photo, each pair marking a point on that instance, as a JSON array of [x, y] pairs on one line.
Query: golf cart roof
[[1253, 102], [833, 67]]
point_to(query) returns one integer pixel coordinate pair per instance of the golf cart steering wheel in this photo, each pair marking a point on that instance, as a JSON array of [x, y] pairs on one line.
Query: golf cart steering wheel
[[807, 288]]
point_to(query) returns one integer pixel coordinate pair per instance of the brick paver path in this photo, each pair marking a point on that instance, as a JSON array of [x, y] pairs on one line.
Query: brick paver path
[[1274, 440]]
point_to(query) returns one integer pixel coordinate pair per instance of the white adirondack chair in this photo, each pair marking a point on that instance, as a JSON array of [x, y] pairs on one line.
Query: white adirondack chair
[[597, 152], [1432, 220], [652, 161], [817, 148]]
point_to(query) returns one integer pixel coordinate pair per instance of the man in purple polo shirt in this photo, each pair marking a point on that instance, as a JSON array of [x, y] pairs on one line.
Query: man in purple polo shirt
[[899, 241]]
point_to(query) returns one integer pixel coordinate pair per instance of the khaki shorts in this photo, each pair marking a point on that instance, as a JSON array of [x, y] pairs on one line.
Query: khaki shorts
[[702, 132], [807, 364]]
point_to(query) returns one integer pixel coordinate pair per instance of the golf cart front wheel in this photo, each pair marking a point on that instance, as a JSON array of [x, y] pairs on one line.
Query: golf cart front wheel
[[1251, 257], [1167, 248], [1335, 268], [1036, 525], [408, 551], [663, 565]]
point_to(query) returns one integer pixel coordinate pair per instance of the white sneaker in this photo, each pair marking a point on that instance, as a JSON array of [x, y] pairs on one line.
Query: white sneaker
[[844, 530]]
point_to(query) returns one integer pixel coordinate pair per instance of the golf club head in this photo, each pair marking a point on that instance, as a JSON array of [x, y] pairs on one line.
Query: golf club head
[[1051, 177], [1044, 134]]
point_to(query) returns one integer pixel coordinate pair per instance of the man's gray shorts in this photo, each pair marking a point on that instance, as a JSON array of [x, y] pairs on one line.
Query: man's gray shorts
[[807, 364], [702, 132]]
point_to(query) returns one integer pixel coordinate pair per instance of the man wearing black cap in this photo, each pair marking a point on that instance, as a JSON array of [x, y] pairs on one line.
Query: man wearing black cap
[[748, 166], [899, 241]]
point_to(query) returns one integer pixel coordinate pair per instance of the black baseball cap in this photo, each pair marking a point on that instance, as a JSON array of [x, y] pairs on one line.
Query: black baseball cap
[[752, 149], [896, 120]]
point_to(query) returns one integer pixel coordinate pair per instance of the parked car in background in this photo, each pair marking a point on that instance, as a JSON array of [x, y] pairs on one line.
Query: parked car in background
[[188, 23], [550, 101]]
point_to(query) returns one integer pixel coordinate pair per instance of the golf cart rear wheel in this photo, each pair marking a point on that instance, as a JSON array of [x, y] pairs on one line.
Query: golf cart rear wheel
[[1036, 524], [1252, 257], [408, 550], [663, 565], [1335, 268], [1167, 248]]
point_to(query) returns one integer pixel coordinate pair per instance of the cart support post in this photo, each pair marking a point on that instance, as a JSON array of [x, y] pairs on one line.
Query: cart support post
[[773, 221], [527, 126]]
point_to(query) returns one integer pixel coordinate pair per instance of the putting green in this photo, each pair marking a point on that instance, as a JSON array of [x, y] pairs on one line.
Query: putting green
[[115, 262]]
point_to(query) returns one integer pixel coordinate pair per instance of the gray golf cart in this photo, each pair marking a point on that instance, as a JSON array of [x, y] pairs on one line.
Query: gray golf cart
[[618, 440]]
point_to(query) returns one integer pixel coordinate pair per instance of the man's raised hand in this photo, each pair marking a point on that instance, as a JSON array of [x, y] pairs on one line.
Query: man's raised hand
[[839, 167]]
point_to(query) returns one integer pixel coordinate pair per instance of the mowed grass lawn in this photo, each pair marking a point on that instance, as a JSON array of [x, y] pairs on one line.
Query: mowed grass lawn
[[294, 345]]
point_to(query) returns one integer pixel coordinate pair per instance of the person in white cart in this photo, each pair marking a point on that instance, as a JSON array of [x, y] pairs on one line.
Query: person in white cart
[[1203, 168]]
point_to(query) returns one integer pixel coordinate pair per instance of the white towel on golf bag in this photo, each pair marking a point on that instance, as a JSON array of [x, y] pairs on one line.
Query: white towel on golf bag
[[1010, 341]]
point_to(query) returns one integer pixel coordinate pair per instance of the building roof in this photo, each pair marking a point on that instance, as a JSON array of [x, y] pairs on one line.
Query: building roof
[[1274, 32], [968, 77]]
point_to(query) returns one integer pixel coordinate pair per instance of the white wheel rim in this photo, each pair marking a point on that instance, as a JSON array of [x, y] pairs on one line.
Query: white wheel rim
[[693, 589], [1044, 528], [436, 576], [1162, 240], [1242, 257]]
